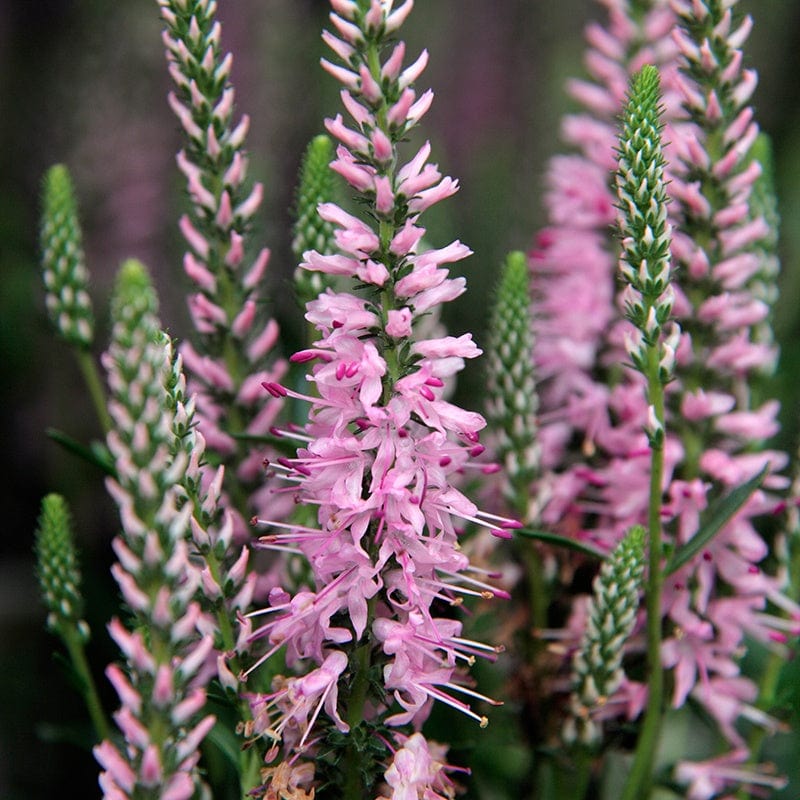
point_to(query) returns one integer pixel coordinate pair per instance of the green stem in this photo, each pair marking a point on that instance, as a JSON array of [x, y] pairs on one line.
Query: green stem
[[88, 687], [361, 661], [637, 785], [95, 385]]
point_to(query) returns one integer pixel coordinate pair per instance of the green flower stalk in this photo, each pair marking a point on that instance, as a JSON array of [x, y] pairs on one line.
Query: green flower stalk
[[512, 404], [66, 278], [597, 666], [311, 232], [60, 582], [648, 304]]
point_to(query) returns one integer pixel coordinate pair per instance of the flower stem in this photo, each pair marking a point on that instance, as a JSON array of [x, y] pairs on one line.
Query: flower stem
[[641, 771], [92, 378], [88, 687], [361, 662]]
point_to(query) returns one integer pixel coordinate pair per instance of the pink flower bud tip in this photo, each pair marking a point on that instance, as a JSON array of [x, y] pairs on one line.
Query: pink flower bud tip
[[275, 389]]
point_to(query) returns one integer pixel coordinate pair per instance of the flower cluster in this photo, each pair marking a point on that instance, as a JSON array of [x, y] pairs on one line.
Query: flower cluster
[[382, 448]]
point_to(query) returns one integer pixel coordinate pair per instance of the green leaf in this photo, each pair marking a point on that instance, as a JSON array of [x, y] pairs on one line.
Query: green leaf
[[226, 742], [561, 541], [95, 454], [716, 516]]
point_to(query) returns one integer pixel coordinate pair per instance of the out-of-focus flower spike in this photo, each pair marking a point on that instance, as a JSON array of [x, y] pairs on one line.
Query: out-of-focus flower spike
[[57, 568], [64, 269], [226, 305], [311, 231], [512, 402]]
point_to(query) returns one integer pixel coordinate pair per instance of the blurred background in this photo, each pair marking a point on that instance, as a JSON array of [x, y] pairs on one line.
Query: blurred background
[[83, 82]]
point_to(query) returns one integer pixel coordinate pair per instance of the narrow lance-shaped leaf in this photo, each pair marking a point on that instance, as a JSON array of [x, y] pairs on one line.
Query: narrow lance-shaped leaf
[[561, 541], [715, 518]]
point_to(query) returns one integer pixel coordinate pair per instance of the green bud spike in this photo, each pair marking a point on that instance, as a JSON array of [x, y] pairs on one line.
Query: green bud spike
[[57, 568], [597, 666], [134, 300], [642, 193], [63, 264], [764, 203], [316, 185], [512, 402]]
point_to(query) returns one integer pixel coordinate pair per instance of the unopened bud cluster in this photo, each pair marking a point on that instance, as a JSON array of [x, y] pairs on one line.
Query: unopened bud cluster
[[311, 231], [65, 275], [597, 666], [57, 567], [512, 402], [646, 239]]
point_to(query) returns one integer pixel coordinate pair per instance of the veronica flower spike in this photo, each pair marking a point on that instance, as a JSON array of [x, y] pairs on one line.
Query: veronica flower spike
[[382, 454], [234, 339], [166, 652]]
